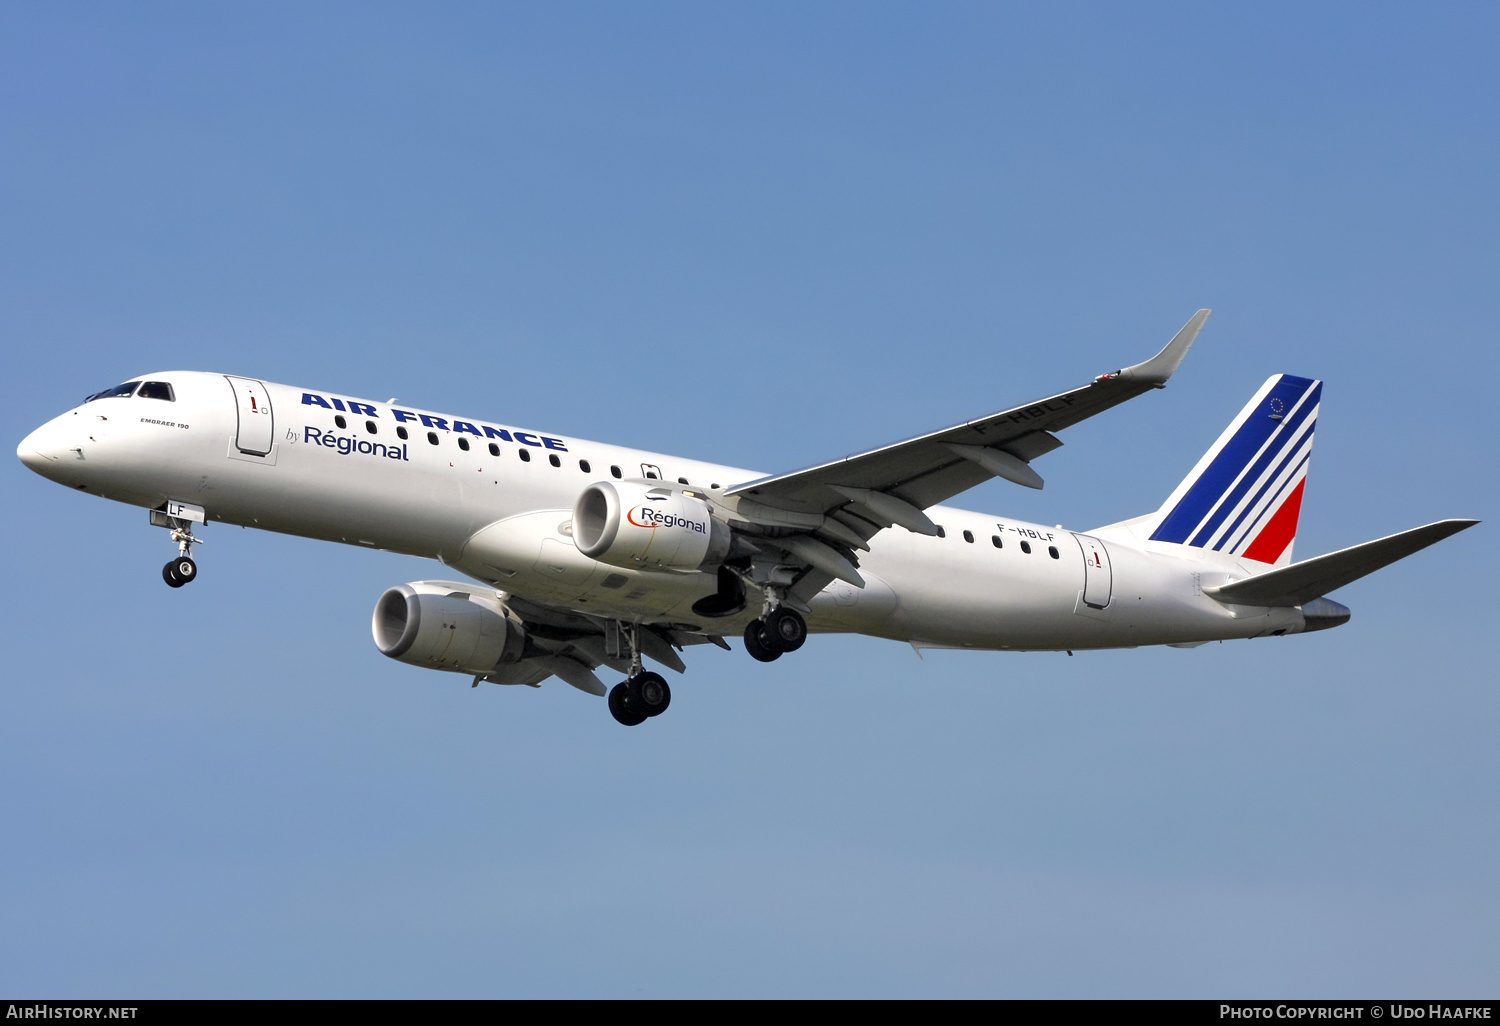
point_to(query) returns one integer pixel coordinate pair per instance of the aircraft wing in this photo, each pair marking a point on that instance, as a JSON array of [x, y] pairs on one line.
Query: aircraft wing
[[572, 646], [872, 490]]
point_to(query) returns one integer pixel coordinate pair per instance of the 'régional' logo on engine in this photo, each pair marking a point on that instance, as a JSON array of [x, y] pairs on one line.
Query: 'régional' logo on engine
[[645, 516]]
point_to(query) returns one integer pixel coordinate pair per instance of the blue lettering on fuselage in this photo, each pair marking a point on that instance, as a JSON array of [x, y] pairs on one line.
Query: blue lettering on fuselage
[[430, 421], [362, 409], [347, 445]]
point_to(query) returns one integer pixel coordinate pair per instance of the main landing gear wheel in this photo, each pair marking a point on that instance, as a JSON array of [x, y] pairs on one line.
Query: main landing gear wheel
[[787, 627], [624, 708], [760, 643], [781, 630], [179, 572], [651, 693], [641, 695]]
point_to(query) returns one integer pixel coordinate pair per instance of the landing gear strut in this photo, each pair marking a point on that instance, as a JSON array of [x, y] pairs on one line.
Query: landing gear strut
[[780, 629], [643, 694]]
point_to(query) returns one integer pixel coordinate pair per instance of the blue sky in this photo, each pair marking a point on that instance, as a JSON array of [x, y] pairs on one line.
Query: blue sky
[[764, 235]]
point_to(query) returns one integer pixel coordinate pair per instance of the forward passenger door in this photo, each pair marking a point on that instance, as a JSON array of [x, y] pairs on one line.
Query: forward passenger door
[[256, 425]]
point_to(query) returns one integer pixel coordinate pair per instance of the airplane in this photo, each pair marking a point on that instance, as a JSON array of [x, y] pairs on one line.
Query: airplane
[[581, 555]]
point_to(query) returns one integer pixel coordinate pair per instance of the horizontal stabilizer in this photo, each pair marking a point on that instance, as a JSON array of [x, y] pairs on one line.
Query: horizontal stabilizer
[[1302, 582]]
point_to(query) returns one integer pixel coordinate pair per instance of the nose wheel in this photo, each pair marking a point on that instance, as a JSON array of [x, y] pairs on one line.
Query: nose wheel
[[180, 571]]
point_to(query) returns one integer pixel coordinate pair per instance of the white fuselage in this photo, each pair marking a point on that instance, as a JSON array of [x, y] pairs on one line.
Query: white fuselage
[[507, 521]]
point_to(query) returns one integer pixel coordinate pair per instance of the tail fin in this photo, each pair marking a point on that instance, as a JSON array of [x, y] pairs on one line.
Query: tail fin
[[1244, 496]]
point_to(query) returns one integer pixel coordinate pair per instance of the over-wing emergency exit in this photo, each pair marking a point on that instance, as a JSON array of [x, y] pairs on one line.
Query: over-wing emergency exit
[[582, 555]]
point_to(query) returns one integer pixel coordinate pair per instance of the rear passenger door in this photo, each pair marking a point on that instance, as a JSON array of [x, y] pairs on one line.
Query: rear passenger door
[[1098, 579]]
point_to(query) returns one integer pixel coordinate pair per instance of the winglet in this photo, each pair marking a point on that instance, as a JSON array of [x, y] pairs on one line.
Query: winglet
[[1164, 364]]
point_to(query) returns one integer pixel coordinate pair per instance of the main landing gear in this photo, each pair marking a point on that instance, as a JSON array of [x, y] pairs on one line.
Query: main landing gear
[[643, 694], [780, 629], [636, 700]]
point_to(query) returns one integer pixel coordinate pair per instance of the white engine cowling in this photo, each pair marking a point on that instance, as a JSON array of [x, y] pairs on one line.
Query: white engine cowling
[[436, 625], [648, 527]]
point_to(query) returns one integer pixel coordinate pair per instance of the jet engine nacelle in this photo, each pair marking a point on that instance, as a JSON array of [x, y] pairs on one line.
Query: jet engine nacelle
[[641, 526], [446, 626]]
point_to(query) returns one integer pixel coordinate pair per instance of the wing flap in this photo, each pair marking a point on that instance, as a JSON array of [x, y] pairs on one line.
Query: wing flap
[[572, 672], [570, 645]]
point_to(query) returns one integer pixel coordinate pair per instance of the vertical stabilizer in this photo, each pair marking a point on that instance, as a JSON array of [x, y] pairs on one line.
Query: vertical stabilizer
[[1244, 496]]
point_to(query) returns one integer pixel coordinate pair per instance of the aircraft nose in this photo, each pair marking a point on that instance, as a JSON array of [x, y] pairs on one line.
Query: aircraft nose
[[41, 450]]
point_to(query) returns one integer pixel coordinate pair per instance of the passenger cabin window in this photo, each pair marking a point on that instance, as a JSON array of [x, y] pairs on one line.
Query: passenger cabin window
[[554, 460], [156, 390], [401, 433], [340, 421], [682, 480], [525, 455], [1026, 547], [431, 437], [494, 449], [995, 541], [463, 443], [969, 537], [118, 392], [615, 472], [941, 532], [370, 427], [583, 465], [1052, 551]]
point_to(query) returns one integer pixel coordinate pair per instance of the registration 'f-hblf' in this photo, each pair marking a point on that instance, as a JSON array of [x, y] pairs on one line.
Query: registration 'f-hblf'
[[584, 555]]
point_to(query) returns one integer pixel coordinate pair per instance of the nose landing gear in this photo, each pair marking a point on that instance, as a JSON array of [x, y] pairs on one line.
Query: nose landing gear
[[643, 694], [182, 569]]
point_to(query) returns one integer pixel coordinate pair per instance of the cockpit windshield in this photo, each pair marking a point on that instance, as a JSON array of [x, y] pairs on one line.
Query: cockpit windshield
[[119, 391]]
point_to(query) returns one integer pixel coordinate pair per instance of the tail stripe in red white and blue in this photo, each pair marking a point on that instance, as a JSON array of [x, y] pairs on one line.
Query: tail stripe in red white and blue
[[1292, 442], [1245, 495]]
